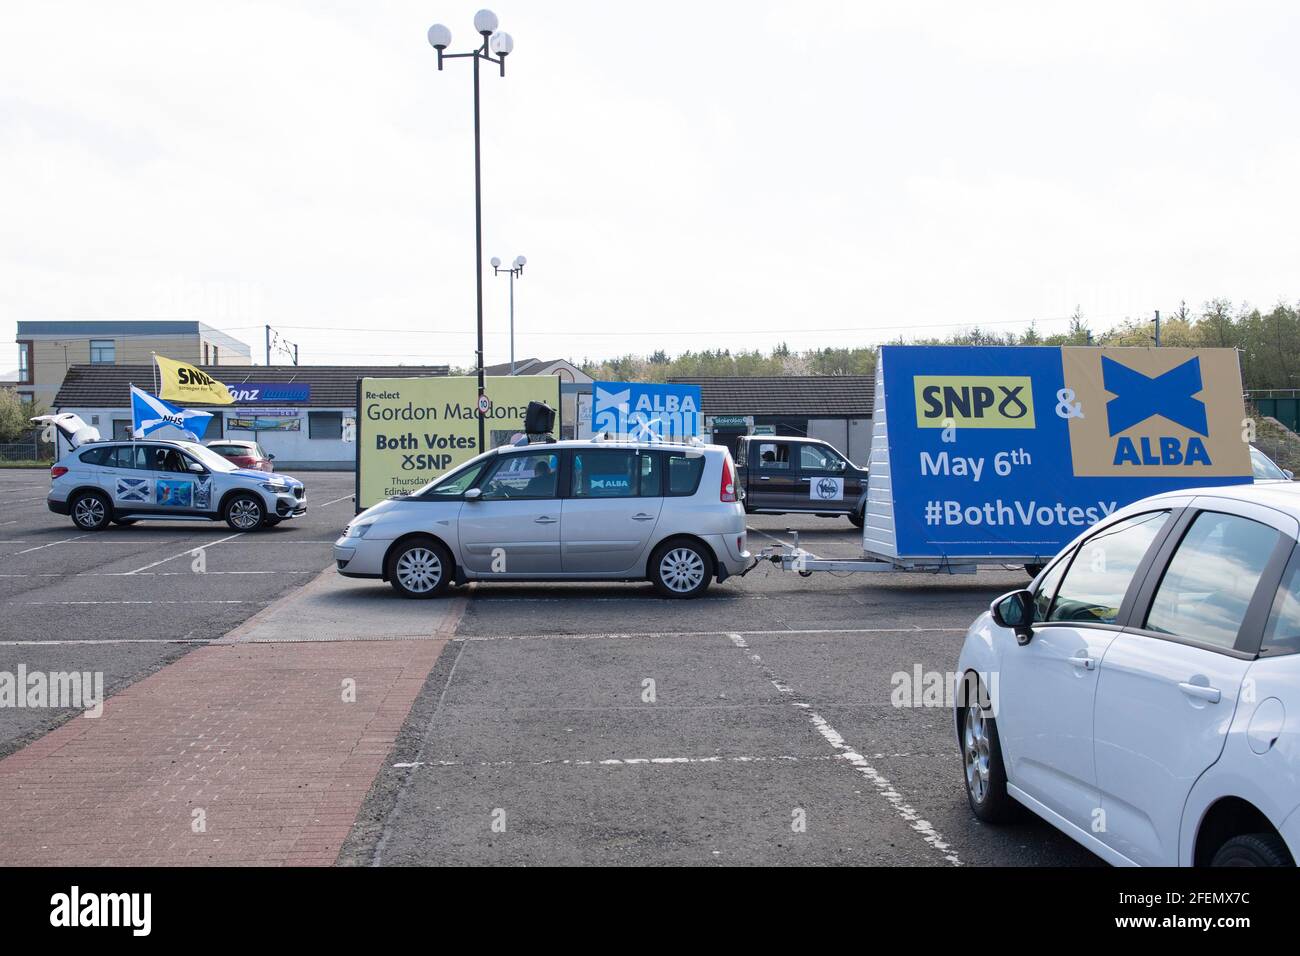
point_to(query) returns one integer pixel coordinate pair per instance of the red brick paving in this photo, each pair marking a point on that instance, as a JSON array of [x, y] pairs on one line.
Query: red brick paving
[[258, 736]]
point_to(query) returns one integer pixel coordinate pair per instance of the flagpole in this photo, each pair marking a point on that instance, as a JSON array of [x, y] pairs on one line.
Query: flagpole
[[155, 372]]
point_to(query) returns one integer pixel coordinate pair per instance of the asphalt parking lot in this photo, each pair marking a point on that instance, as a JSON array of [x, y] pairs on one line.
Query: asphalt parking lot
[[127, 600], [575, 723]]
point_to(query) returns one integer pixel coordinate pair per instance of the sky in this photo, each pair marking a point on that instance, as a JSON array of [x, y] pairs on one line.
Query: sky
[[679, 175]]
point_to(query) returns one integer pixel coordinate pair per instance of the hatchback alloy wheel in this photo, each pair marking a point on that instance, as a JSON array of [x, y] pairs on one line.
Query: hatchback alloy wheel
[[975, 752]]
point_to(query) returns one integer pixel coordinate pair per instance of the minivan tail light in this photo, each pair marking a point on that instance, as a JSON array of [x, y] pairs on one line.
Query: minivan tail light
[[728, 490], [58, 471]]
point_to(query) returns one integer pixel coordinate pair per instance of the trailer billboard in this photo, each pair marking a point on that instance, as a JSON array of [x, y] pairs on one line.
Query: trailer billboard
[[1012, 451]]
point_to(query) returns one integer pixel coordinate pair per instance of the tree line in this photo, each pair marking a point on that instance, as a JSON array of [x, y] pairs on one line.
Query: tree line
[[1269, 343]]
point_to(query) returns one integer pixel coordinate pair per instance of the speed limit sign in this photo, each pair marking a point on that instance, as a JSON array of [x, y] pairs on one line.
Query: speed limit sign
[[484, 405]]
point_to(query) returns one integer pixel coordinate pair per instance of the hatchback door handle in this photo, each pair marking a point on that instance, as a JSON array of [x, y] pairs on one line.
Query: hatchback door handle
[[1212, 694], [546, 520], [642, 517], [1083, 663]]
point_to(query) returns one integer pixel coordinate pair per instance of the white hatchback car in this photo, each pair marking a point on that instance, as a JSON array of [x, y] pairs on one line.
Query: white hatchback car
[[1143, 695], [572, 510]]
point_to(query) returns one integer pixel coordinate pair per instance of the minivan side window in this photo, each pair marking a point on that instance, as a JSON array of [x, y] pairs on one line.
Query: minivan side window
[[605, 474], [1099, 576], [1211, 579], [684, 472], [523, 476]]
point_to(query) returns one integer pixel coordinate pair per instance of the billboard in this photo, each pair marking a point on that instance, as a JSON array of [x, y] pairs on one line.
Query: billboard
[[645, 411], [411, 430], [1012, 451]]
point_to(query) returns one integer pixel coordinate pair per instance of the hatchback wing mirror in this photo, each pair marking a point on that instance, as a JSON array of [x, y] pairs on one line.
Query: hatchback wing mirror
[[1015, 611]]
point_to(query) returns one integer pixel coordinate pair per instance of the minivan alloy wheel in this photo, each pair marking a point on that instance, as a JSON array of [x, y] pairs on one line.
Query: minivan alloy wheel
[[419, 570], [682, 569], [975, 751]]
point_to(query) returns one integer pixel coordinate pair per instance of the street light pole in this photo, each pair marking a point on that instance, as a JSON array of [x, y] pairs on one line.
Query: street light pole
[[485, 22], [515, 271]]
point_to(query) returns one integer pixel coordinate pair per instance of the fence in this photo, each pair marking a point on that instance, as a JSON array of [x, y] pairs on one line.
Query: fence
[[28, 448], [1280, 403]]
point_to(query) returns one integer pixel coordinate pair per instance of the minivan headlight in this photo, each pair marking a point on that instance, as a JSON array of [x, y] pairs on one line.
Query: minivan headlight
[[359, 530]]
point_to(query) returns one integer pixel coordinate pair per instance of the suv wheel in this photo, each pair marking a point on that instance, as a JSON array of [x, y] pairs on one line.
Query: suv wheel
[[681, 569], [420, 568], [245, 512], [1253, 849], [91, 511]]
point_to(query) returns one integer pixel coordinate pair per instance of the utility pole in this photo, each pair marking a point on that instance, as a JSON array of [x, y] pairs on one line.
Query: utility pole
[[1157, 328], [268, 345]]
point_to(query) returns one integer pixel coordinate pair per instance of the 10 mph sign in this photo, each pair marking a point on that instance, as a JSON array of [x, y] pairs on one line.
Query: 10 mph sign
[[484, 404]]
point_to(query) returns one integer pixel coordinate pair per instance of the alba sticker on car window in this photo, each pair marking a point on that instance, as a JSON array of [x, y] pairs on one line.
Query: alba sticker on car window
[[826, 489]]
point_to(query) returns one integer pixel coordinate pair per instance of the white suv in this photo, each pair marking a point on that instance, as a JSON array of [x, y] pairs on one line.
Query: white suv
[[573, 510]]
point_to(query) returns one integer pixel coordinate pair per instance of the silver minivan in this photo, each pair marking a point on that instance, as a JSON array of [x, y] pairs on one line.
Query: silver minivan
[[571, 510]]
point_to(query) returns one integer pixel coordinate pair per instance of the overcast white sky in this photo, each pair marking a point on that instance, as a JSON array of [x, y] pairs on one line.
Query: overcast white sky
[[679, 175]]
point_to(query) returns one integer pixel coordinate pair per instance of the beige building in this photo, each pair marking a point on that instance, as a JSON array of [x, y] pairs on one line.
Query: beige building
[[572, 380], [46, 350]]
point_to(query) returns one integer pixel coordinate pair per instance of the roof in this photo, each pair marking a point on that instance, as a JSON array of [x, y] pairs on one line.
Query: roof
[[831, 396], [504, 367], [332, 386], [77, 329]]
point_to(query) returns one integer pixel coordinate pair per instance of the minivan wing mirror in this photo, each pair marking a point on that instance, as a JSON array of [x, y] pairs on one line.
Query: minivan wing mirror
[[1015, 611]]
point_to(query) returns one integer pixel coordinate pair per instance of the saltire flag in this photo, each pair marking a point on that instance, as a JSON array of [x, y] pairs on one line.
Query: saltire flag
[[150, 413]]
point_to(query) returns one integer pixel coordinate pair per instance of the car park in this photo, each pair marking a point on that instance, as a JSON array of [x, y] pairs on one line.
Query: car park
[[572, 510], [1143, 694], [784, 474], [122, 482], [245, 454]]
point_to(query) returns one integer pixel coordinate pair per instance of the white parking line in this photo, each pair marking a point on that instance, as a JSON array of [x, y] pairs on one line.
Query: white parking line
[[65, 603], [336, 501], [41, 547], [114, 640], [187, 551], [644, 634], [859, 763]]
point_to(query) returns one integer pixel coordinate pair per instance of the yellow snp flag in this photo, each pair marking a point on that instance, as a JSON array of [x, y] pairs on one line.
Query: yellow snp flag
[[185, 383]]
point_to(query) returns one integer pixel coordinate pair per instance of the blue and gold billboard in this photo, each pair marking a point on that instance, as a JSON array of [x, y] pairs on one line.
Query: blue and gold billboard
[[1012, 451]]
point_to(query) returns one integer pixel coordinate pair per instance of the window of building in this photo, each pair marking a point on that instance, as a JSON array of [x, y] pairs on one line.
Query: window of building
[[121, 429], [24, 363], [205, 354], [325, 425], [103, 351], [216, 359]]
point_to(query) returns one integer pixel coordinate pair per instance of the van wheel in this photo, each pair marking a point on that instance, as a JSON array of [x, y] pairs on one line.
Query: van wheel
[[91, 511], [419, 568], [981, 754], [1253, 849], [858, 518], [681, 569], [245, 512]]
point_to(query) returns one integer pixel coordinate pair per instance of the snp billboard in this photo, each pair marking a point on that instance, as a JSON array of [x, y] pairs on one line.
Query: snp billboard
[[646, 411], [411, 430], [1012, 451]]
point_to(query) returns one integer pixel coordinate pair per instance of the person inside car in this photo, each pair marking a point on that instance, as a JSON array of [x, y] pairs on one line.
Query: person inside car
[[542, 484]]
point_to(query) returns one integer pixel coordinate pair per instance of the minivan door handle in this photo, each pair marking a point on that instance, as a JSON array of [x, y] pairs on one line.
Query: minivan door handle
[[1083, 663], [1212, 694]]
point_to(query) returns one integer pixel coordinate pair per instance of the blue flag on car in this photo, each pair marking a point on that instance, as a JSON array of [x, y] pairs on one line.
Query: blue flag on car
[[150, 413]]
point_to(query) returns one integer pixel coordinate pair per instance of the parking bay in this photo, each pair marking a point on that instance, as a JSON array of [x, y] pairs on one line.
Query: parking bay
[[538, 706]]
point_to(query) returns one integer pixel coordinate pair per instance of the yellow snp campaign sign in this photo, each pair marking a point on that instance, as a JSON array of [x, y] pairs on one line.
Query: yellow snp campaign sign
[[182, 382], [411, 430]]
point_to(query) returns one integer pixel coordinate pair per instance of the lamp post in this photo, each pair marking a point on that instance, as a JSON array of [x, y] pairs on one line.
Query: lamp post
[[516, 271], [500, 43]]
